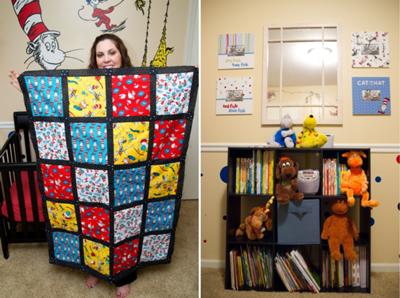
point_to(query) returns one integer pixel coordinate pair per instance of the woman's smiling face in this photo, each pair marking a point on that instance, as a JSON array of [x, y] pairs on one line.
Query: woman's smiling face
[[107, 55]]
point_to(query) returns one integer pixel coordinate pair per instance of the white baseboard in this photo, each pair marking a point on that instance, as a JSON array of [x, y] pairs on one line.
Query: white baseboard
[[385, 267], [375, 267], [215, 264]]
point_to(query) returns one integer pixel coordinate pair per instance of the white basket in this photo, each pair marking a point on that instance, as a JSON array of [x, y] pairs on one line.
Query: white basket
[[308, 181]]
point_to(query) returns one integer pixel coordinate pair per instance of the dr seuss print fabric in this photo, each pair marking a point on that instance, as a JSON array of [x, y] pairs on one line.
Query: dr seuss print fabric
[[112, 146]]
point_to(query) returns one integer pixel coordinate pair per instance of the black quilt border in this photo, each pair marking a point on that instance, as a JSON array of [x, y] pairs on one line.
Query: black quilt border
[[64, 73]]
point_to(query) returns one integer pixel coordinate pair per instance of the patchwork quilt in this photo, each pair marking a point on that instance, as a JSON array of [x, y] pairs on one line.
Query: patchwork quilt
[[111, 147]]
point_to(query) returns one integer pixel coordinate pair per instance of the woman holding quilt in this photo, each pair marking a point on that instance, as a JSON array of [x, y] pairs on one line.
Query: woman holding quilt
[[108, 51]]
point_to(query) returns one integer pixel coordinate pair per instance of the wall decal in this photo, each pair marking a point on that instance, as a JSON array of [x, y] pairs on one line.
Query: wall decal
[[43, 45], [160, 57], [98, 15]]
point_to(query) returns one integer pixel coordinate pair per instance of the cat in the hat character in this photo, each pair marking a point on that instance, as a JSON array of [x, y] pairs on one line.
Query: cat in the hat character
[[384, 105], [43, 45]]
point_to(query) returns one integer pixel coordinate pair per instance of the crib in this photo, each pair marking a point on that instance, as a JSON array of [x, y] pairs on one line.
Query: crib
[[21, 213]]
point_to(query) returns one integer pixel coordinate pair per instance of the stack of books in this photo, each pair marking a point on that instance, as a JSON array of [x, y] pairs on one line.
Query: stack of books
[[343, 273], [255, 175], [251, 268], [294, 272], [332, 174]]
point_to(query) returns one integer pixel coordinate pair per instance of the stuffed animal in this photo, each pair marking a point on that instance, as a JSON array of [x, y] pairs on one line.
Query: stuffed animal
[[285, 137], [257, 222], [339, 229], [286, 186], [309, 137], [354, 181]]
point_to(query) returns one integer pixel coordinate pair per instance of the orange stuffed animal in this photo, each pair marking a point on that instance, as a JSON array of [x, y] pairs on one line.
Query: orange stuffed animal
[[354, 181], [339, 229]]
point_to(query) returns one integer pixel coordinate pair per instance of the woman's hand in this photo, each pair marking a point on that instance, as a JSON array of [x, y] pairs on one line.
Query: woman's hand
[[13, 75]]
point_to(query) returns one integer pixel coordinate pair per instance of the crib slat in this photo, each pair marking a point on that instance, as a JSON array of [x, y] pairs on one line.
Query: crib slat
[[22, 208], [32, 189]]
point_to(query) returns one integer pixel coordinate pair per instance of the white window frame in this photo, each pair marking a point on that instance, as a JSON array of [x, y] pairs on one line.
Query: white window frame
[[264, 117]]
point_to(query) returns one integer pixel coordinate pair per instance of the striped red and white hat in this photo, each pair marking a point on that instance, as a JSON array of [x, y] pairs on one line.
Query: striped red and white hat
[[29, 16]]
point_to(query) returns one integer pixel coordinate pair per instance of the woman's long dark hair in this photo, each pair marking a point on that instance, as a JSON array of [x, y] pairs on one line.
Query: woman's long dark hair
[[119, 44]]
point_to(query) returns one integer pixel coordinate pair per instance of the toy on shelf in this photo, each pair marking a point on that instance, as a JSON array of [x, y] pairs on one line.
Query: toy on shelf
[[354, 181], [309, 137], [257, 222], [339, 229], [285, 136], [286, 186]]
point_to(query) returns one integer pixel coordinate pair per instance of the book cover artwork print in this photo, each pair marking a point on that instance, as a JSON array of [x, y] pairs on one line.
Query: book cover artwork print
[[371, 96], [111, 147], [235, 50], [370, 49], [234, 95]]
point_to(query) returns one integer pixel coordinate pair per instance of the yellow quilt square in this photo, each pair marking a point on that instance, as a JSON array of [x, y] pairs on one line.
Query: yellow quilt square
[[130, 142], [97, 256], [62, 216], [163, 180], [87, 96]]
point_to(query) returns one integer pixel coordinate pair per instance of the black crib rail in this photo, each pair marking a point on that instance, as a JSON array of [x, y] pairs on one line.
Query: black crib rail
[[16, 160]]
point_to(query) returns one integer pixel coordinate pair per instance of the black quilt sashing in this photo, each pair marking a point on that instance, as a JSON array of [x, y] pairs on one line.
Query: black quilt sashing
[[111, 147]]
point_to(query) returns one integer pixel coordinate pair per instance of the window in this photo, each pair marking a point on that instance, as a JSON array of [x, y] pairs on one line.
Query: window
[[300, 74]]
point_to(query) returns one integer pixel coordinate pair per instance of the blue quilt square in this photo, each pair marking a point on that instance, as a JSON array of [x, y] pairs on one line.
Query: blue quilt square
[[45, 94], [129, 185], [89, 142], [66, 247], [160, 215]]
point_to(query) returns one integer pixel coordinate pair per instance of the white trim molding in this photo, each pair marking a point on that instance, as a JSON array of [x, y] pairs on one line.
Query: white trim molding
[[385, 267], [214, 264], [375, 267], [375, 148], [6, 125]]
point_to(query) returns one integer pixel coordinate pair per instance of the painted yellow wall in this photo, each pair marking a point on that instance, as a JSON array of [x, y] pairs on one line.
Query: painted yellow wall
[[379, 132]]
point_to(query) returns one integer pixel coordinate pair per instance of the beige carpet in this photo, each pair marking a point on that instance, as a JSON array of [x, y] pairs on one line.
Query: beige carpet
[[384, 285], [27, 273]]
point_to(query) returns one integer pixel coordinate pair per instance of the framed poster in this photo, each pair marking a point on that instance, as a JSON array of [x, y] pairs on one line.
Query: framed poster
[[235, 50], [371, 96], [234, 95], [370, 49]]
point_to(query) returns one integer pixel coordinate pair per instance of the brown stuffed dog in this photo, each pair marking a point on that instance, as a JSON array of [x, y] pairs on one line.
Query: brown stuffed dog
[[286, 187], [339, 229], [257, 222]]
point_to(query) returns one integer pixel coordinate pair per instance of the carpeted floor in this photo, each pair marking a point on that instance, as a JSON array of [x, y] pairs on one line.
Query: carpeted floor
[[383, 285], [27, 273]]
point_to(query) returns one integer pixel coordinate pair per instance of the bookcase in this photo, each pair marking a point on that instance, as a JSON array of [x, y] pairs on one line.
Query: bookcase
[[250, 264]]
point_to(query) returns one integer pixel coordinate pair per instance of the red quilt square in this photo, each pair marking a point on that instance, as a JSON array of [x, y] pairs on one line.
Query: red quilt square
[[131, 95], [57, 181], [95, 222], [168, 138], [126, 256]]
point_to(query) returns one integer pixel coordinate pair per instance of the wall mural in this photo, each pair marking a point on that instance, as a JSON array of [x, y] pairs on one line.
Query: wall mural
[[160, 57], [44, 48], [99, 15]]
